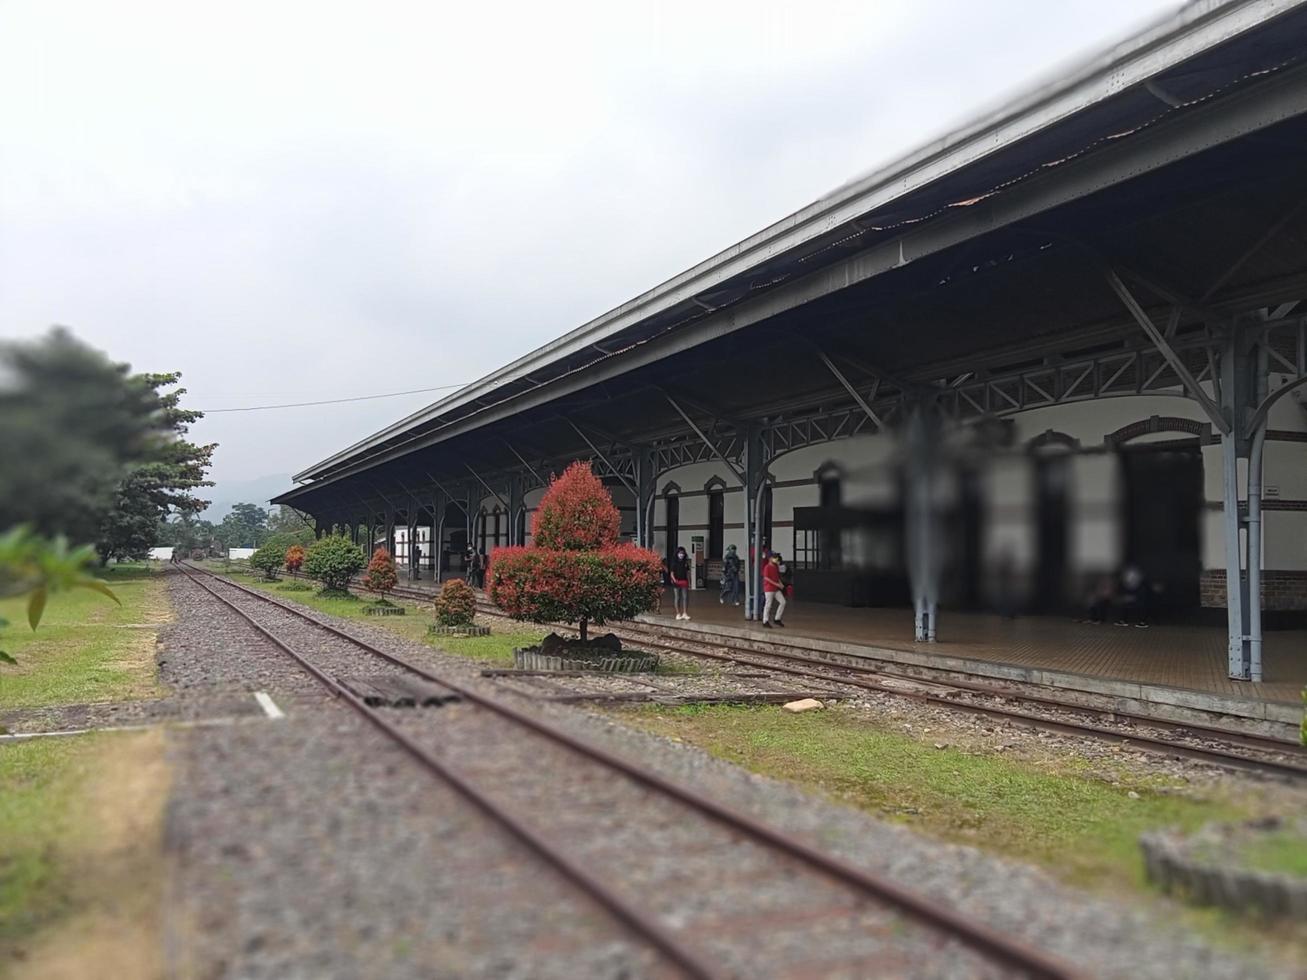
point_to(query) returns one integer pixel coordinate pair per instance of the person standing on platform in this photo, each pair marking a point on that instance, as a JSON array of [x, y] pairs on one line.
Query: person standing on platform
[[730, 577], [680, 576], [481, 563], [773, 592]]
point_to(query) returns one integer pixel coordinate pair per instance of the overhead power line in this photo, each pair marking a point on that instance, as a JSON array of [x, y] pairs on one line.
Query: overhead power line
[[331, 401]]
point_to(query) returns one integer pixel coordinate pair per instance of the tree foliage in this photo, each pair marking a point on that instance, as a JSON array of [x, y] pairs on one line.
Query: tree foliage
[[36, 567], [245, 526], [576, 572], [576, 513], [381, 576], [102, 449], [294, 559], [333, 561], [457, 604], [268, 560]]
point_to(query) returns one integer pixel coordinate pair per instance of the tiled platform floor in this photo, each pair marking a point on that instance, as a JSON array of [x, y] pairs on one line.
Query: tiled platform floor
[[1188, 657], [1192, 657]]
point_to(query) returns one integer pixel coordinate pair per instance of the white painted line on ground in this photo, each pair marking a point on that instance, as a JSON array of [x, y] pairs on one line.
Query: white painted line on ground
[[65, 732], [268, 705]]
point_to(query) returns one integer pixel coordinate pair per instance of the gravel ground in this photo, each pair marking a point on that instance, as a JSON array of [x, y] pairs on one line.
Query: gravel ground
[[310, 847]]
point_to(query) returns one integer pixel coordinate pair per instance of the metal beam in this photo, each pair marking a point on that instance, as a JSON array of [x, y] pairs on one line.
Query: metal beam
[[848, 386], [452, 499], [596, 450], [530, 468], [706, 441], [1164, 348], [489, 489]]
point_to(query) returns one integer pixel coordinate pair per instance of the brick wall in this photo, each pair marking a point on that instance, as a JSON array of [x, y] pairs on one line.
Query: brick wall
[[1280, 590]]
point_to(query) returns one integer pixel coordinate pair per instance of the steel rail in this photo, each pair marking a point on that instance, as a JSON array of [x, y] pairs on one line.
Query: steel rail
[[640, 923], [1029, 960], [1246, 739], [1148, 743]]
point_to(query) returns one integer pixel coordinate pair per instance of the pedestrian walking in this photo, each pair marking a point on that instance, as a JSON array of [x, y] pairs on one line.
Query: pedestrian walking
[[481, 563], [730, 589], [773, 592], [680, 576], [417, 562]]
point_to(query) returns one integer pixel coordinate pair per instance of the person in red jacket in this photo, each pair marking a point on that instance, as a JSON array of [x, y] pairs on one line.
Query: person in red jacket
[[773, 592]]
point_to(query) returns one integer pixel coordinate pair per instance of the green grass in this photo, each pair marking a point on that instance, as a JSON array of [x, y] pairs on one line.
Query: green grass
[[39, 781], [1283, 851], [80, 836], [1082, 828], [494, 650], [86, 648]]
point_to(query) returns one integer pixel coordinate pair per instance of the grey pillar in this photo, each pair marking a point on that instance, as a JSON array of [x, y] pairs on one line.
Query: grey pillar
[[515, 505], [755, 478], [412, 528], [1243, 377], [646, 488], [922, 533]]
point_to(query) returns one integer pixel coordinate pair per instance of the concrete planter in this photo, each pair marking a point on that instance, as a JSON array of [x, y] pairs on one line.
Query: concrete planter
[[469, 630], [1190, 867], [600, 661], [383, 610]]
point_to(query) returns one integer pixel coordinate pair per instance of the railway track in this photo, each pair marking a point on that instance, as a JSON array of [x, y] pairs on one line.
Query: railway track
[[1242, 751], [788, 855]]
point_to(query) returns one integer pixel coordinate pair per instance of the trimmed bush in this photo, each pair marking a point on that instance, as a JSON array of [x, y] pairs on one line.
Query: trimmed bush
[[576, 572], [457, 604], [333, 561], [268, 560], [381, 576]]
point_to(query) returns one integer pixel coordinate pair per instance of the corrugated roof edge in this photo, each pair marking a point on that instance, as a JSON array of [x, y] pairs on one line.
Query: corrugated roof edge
[[1198, 26]]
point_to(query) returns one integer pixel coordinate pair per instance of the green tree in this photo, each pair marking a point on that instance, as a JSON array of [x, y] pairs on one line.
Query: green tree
[[245, 527], [287, 520], [99, 445], [268, 559], [334, 560]]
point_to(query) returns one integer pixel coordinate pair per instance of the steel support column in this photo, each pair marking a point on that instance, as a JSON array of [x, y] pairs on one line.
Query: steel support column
[[646, 488], [755, 478], [412, 529], [515, 504], [923, 547], [1237, 399]]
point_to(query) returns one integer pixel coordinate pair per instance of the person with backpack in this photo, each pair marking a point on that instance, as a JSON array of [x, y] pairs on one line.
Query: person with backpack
[[773, 592], [730, 590], [679, 572]]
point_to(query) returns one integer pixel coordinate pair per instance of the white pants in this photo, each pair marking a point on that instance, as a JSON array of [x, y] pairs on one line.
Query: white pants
[[773, 600]]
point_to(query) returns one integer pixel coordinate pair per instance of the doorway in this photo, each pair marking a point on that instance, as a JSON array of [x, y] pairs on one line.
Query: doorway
[[1163, 503]]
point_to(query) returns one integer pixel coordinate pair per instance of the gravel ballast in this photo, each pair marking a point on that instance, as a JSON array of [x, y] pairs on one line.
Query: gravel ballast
[[310, 846]]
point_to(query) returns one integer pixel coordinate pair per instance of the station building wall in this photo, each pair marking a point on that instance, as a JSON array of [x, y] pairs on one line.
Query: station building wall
[[1010, 529]]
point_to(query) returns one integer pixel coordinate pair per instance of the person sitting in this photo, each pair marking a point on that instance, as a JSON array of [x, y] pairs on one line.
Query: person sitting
[[1100, 600], [1133, 597]]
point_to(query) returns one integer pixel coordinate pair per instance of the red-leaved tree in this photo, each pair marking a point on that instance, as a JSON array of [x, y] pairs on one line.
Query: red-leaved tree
[[294, 559], [575, 572], [380, 576]]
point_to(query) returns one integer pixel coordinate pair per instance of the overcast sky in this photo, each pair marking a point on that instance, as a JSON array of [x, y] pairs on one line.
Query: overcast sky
[[299, 201]]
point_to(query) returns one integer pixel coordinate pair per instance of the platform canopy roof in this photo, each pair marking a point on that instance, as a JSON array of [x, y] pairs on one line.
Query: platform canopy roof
[[1174, 159]]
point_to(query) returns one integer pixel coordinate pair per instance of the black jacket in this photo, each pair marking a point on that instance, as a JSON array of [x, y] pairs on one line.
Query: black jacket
[[680, 568]]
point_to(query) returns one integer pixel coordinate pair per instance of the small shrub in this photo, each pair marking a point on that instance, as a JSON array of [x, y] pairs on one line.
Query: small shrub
[[333, 561], [294, 560], [457, 604], [268, 560], [381, 576]]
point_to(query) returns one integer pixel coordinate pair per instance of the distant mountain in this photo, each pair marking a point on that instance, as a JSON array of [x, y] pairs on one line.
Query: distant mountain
[[230, 492]]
